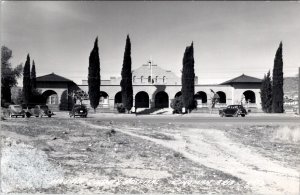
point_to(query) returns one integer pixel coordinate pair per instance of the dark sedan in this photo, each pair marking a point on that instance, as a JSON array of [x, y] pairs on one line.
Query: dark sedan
[[42, 110], [79, 110], [233, 110], [16, 110]]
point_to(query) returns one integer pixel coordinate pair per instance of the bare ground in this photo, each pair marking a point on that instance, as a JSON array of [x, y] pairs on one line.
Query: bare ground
[[86, 156]]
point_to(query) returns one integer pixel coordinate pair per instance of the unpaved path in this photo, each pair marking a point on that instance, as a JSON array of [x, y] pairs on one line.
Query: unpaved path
[[211, 147]]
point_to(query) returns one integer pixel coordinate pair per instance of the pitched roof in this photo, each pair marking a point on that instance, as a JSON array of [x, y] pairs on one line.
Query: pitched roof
[[242, 79], [52, 78]]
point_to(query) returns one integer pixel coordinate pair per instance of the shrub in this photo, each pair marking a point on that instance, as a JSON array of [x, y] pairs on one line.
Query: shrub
[[177, 105], [121, 108]]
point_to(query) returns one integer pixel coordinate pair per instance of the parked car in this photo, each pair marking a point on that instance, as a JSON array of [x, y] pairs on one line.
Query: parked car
[[233, 110], [79, 110], [16, 110], [42, 110]]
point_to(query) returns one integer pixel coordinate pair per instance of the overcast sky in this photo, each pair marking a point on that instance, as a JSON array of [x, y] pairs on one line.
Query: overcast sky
[[230, 38]]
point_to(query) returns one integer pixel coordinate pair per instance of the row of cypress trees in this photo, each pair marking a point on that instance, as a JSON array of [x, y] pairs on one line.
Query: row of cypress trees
[[94, 81], [271, 91], [29, 92]]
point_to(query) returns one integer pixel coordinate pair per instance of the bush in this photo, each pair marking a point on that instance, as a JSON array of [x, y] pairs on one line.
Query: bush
[[121, 108], [177, 105]]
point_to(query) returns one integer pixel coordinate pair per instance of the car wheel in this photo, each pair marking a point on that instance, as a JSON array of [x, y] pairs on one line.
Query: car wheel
[[242, 115], [23, 116], [49, 116]]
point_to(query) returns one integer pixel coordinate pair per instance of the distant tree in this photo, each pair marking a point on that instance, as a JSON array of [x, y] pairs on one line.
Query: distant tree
[[78, 95], [94, 76], [177, 105], [33, 76], [188, 78], [9, 75], [277, 88], [126, 82], [26, 81], [266, 93]]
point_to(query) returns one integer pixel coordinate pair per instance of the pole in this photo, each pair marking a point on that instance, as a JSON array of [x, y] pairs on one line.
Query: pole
[[299, 91], [151, 69]]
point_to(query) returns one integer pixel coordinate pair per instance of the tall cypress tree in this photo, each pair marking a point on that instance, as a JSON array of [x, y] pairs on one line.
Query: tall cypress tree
[[26, 81], [33, 76], [188, 78], [266, 93], [94, 76], [126, 82], [277, 88]]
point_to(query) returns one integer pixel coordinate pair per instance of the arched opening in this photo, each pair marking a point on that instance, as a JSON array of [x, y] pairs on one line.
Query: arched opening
[[178, 94], [103, 99], [142, 100], [50, 97], [201, 97], [222, 96], [161, 100], [249, 96], [118, 98]]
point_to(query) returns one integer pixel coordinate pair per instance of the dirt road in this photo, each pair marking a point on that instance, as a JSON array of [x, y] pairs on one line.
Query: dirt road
[[212, 148]]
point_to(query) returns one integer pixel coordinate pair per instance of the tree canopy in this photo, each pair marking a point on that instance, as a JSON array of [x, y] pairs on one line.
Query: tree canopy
[[94, 76], [126, 82], [9, 75], [188, 78]]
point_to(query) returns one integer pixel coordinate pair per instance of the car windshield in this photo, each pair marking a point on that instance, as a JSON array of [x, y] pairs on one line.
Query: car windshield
[[44, 107]]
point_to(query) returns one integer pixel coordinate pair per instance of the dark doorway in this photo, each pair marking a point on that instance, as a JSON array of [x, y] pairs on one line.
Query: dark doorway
[[161, 100], [118, 98], [178, 94], [142, 100], [201, 95], [249, 96], [222, 96]]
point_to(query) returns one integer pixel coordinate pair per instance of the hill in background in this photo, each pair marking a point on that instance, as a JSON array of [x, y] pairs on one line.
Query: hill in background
[[290, 86]]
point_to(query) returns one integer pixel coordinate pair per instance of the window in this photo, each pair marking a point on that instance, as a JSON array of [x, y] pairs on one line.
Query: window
[[52, 99], [133, 79], [142, 79], [156, 79], [164, 79], [149, 79]]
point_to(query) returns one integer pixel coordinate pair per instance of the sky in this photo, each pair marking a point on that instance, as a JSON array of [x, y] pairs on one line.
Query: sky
[[230, 38]]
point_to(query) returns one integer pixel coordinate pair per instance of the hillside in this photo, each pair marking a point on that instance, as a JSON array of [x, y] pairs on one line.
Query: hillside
[[290, 85]]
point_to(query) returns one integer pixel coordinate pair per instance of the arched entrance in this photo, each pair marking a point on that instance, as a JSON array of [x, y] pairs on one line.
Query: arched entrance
[[249, 96], [222, 96], [103, 102], [201, 96], [50, 97], [178, 94], [118, 98], [142, 100], [161, 100]]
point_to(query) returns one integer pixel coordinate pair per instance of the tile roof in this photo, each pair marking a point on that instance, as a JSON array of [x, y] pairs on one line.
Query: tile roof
[[52, 78], [242, 79]]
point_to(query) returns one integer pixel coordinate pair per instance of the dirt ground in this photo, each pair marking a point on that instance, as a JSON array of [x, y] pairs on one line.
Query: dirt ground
[[66, 155]]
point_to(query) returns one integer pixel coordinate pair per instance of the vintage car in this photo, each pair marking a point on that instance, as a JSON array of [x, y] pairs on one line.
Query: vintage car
[[41, 110], [16, 110], [79, 110], [233, 110]]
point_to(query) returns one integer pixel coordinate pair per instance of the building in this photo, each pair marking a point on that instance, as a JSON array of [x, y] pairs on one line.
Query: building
[[154, 87]]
